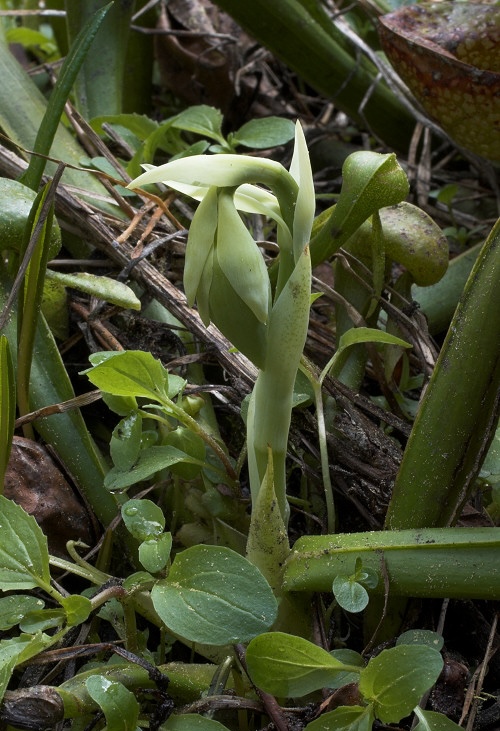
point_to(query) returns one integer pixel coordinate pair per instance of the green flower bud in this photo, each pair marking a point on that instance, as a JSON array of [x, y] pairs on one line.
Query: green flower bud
[[240, 259]]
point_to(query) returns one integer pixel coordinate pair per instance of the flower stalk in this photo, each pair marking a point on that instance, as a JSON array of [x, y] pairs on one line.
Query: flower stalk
[[227, 277]]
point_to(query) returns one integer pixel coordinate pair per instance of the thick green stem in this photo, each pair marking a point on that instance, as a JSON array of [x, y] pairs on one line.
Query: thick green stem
[[438, 562], [271, 403], [459, 412]]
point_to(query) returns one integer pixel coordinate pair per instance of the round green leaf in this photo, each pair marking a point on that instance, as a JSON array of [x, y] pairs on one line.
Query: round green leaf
[[77, 609], [395, 680], [350, 595], [213, 595], [432, 721], [155, 552], [143, 519]]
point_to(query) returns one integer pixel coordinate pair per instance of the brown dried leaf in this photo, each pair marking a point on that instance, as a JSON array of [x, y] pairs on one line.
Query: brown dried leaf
[[35, 482]]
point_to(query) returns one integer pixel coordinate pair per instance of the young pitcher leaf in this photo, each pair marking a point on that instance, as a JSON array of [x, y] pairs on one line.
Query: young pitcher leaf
[[288, 666], [212, 595], [24, 556], [395, 680], [118, 704]]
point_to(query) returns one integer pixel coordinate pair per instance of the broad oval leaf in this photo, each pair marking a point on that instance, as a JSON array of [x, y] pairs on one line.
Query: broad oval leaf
[[214, 596], [289, 666], [264, 133], [118, 704], [395, 680], [77, 608], [202, 120], [24, 556]]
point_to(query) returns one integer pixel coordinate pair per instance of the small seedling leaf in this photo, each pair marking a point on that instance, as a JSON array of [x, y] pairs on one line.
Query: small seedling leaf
[[350, 595], [289, 666], [24, 557], [150, 461], [264, 133], [143, 518], [421, 637], [129, 373], [202, 120], [213, 595], [14, 608], [344, 718], [432, 721], [155, 552], [118, 704], [395, 680], [125, 442], [192, 722], [41, 620], [77, 609], [192, 444]]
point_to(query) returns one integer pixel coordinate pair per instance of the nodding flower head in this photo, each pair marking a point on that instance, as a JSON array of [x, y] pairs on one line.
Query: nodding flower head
[[224, 270]]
